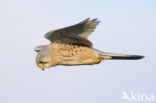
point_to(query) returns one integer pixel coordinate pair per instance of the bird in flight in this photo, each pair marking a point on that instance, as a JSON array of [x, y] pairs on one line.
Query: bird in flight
[[70, 46]]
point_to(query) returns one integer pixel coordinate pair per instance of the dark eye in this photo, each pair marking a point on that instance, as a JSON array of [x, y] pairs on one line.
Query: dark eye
[[43, 62], [40, 61]]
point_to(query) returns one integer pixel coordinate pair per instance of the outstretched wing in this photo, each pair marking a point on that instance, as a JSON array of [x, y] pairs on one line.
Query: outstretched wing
[[75, 34], [82, 29]]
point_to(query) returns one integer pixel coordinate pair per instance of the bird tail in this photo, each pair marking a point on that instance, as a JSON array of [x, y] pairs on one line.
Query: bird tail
[[119, 56]]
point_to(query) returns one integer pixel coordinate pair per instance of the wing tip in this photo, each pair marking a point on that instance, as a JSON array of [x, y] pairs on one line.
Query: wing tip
[[84, 21], [90, 20], [95, 20]]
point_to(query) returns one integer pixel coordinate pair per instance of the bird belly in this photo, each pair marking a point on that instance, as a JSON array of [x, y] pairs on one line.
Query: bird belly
[[76, 55]]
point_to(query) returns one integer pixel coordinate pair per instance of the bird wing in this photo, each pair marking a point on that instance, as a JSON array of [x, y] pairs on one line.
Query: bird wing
[[71, 40], [75, 34]]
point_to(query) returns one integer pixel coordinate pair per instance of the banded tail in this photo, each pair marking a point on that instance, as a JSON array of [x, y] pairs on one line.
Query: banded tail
[[119, 56]]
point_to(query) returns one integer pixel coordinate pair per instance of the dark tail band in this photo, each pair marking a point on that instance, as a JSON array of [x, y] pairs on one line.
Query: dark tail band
[[131, 57]]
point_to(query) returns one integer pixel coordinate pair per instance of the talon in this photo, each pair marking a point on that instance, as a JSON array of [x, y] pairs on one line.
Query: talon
[[97, 61]]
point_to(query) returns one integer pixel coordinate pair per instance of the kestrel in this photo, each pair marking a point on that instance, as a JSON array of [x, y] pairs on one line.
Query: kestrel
[[70, 46]]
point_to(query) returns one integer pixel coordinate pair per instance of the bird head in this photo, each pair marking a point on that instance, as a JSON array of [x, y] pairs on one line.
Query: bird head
[[43, 58]]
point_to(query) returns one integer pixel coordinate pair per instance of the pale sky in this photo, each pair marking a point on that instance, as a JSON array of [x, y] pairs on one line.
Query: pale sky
[[127, 26]]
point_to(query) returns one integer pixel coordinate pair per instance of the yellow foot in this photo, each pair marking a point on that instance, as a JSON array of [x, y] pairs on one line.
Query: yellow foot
[[97, 60]]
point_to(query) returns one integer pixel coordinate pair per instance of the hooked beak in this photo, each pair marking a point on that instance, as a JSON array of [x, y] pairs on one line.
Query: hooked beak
[[41, 65]]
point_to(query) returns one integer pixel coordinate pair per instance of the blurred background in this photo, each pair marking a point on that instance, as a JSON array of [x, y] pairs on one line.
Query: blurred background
[[127, 26]]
